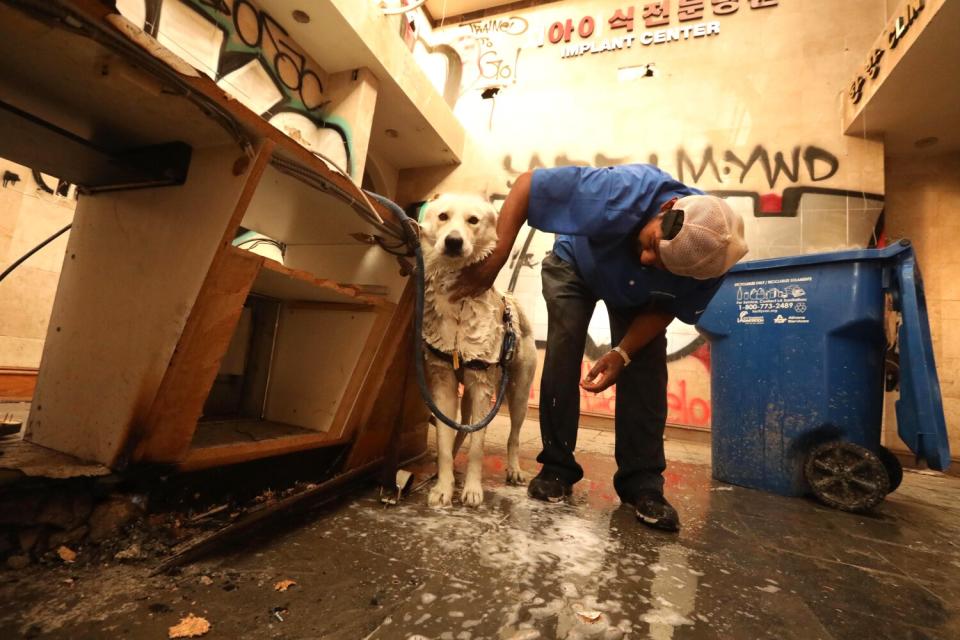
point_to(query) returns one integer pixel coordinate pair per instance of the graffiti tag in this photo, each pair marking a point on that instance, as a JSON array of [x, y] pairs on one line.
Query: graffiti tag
[[253, 36]]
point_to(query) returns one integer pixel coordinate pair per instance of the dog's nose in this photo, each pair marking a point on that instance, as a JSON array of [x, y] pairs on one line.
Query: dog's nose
[[453, 244]]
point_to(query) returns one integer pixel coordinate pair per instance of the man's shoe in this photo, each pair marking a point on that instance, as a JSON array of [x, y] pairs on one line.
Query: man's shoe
[[654, 511], [549, 489]]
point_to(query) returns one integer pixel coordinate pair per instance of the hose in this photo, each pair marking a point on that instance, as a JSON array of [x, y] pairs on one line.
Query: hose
[[25, 256], [410, 229]]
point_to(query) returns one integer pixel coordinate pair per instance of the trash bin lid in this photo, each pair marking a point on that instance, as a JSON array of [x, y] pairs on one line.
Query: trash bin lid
[[850, 255], [920, 419]]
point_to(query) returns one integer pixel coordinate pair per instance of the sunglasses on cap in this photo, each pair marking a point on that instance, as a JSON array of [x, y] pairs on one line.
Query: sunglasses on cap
[[671, 224]]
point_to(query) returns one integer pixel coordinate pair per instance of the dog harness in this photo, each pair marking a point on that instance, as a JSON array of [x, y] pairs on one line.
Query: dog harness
[[506, 349]]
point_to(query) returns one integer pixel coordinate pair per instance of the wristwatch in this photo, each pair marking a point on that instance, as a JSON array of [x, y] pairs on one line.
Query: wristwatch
[[623, 354]]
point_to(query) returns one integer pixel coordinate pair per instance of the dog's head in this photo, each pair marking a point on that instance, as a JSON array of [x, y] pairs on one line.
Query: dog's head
[[459, 229]]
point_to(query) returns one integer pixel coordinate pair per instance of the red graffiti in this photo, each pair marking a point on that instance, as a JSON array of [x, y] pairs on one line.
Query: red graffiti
[[686, 410], [682, 407]]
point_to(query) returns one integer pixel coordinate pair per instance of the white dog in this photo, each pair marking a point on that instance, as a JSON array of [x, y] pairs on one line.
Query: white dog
[[464, 339]]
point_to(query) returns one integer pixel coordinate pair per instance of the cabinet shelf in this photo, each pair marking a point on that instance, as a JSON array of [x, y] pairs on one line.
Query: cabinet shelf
[[218, 443], [295, 285]]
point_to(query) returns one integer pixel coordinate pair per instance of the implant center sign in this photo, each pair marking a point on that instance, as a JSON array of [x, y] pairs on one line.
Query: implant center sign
[[578, 38]]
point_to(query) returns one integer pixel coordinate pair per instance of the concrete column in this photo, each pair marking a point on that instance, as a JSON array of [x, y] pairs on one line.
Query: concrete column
[[353, 100]]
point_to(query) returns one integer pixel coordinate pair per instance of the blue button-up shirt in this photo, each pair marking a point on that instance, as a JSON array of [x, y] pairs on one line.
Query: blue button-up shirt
[[597, 214]]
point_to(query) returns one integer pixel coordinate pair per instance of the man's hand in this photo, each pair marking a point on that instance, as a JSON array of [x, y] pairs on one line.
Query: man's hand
[[604, 373], [476, 278]]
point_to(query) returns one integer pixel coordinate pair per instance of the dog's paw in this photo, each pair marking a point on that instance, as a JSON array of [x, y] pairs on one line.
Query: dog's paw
[[472, 494], [516, 477], [441, 495]]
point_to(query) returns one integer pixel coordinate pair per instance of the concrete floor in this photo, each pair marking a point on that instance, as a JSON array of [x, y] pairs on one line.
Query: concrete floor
[[746, 565]]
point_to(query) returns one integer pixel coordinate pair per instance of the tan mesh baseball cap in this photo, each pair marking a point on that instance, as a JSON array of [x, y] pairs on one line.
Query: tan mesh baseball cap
[[710, 241]]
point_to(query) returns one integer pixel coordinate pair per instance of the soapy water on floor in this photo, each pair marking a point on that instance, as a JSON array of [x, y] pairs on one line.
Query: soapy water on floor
[[563, 572]]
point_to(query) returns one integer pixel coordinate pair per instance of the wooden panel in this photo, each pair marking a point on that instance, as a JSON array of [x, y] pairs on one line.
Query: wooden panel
[[134, 266], [259, 129], [217, 433], [17, 385], [315, 355], [81, 86], [351, 395], [164, 434], [251, 440], [284, 283], [413, 441], [383, 393]]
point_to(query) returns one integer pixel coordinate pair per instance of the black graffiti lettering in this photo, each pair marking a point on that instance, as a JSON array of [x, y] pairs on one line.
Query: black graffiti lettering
[[238, 23], [216, 5], [813, 154], [288, 63], [306, 77], [601, 160], [512, 26], [563, 161], [771, 171], [684, 163], [491, 67], [819, 164]]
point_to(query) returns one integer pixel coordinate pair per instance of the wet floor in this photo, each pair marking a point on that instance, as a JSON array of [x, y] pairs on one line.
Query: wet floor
[[745, 565]]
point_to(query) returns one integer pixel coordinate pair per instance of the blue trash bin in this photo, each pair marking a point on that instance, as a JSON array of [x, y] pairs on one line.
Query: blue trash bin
[[798, 352]]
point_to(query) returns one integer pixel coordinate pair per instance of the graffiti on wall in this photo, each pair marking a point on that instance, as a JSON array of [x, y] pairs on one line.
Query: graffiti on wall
[[801, 163], [249, 54], [817, 165], [489, 52], [768, 187]]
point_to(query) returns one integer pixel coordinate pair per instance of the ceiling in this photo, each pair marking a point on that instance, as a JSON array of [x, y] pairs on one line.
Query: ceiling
[[336, 46], [920, 99], [453, 8]]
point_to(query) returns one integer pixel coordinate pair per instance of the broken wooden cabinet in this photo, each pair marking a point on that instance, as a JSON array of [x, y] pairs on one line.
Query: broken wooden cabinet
[[148, 324]]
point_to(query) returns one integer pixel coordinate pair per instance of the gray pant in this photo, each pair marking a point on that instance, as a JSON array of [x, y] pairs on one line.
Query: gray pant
[[641, 406]]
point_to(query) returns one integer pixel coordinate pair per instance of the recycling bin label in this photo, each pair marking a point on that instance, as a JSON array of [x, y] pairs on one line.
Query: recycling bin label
[[777, 302]]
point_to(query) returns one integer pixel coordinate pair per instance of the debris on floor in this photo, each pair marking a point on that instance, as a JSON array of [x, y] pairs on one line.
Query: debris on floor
[[283, 585], [190, 627], [133, 520], [745, 563], [67, 554]]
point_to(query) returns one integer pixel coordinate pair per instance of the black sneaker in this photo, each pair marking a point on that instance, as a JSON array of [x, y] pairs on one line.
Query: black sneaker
[[549, 489], [654, 511]]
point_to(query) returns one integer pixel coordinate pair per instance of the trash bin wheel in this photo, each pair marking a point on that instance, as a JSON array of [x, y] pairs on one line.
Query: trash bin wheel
[[894, 468], [846, 476]]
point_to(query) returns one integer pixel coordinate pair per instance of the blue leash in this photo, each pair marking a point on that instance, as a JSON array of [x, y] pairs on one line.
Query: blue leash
[[506, 349]]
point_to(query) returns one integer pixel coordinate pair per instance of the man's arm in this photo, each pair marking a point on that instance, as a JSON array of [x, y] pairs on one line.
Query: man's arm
[[479, 277], [644, 328]]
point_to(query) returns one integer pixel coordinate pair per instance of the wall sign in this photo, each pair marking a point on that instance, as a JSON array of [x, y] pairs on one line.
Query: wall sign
[[894, 33], [653, 14], [647, 38]]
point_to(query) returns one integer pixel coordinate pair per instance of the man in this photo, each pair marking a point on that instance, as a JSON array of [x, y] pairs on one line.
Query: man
[[653, 249]]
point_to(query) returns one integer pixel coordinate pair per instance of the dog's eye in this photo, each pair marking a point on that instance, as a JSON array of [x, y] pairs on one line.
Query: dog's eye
[[443, 217], [473, 219]]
